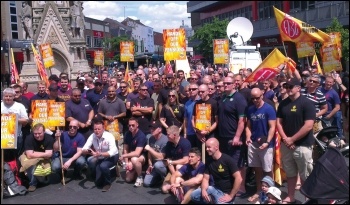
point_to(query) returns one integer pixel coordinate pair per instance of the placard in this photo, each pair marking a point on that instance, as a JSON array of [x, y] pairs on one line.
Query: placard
[[99, 58], [9, 124], [47, 55], [113, 128], [330, 58], [56, 114], [174, 44], [220, 51], [203, 117], [40, 112], [127, 51], [305, 49]]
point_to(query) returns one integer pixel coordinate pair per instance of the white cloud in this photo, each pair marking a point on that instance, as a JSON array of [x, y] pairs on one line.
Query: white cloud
[[158, 15]]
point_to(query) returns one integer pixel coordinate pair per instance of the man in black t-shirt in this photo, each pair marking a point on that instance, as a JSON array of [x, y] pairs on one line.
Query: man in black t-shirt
[[37, 145], [225, 174], [295, 118]]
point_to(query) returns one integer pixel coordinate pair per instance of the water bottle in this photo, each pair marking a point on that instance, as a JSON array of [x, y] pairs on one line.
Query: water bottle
[[124, 165]]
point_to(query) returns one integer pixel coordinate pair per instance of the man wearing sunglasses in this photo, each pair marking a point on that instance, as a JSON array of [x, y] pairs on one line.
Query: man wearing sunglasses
[[72, 143], [295, 118]]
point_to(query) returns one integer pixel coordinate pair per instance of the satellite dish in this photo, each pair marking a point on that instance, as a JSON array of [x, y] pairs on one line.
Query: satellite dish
[[239, 30]]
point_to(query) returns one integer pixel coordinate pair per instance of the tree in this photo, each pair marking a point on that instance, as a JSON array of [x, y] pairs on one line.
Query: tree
[[207, 33], [335, 26], [113, 45]]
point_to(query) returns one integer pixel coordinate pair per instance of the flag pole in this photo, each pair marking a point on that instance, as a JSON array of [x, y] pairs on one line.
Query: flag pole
[[284, 47]]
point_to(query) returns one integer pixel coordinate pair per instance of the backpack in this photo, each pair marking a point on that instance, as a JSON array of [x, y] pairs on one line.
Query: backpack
[[12, 187]]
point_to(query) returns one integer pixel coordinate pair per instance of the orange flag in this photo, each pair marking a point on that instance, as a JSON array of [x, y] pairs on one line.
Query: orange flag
[[14, 71], [40, 65], [279, 174], [317, 63], [128, 79], [292, 29], [291, 65], [269, 68]]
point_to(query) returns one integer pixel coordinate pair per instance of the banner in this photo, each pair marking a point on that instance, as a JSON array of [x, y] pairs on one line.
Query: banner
[[174, 44], [292, 29], [113, 128], [202, 118], [184, 65], [330, 58], [336, 39], [317, 63], [279, 174], [220, 51], [14, 71], [9, 125], [127, 51], [305, 49], [269, 68], [40, 112], [56, 114], [40, 66], [47, 55], [99, 58]]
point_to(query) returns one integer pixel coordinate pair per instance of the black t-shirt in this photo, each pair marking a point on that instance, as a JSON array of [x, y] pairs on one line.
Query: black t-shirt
[[139, 140], [212, 104], [38, 146], [146, 119], [293, 114], [179, 112], [179, 151], [222, 171], [231, 108], [246, 92]]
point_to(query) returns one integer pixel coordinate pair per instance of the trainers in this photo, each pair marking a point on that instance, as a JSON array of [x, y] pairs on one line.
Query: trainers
[[31, 188], [139, 182], [106, 188]]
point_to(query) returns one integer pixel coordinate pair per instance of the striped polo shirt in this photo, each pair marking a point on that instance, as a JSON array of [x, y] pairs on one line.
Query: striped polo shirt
[[317, 98]]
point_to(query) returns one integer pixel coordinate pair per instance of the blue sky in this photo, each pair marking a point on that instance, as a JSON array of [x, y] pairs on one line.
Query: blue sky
[[156, 14]]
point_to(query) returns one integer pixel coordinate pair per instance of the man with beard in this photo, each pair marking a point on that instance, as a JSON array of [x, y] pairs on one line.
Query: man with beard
[[64, 91], [80, 110]]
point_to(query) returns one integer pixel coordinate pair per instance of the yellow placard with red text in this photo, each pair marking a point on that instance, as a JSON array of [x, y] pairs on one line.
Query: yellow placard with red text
[[336, 39], [39, 112], [174, 44], [56, 114], [305, 49], [203, 117], [220, 51], [113, 128], [9, 124], [127, 51], [47, 55], [99, 58], [330, 58]]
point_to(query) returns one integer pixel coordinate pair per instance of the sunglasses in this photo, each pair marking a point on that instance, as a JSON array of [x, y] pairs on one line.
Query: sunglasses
[[122, 87], [169, 78], [286, 86], [257, 98], [228, 83], [193, 78], [201, 91], [144, 89], [211, 88], [192, 89], [72, 127], [119, 75], [131, 125], [219, 86], [313, 81], [171, 96], [76, 95]]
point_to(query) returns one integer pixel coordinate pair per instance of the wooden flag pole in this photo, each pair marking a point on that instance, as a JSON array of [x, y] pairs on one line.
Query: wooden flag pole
[[203, 152], [2, 174], [284, 47], [59, 145]]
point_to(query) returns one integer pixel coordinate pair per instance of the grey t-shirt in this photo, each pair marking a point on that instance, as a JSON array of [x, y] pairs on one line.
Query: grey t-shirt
[[113, 108], [159, 144]]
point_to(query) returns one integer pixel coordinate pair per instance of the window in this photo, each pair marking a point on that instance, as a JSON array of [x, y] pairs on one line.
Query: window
[[266, 9], [14, 35], [13, 20], [97, 42], [296, 6], [88, 41], [14, 27]]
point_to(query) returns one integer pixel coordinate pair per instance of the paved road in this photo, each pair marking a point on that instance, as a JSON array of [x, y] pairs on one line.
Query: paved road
[[84, 192]]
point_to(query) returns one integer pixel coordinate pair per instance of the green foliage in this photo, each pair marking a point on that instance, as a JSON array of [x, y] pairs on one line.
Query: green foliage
[[207, 33], [113, 45], [335, 26]]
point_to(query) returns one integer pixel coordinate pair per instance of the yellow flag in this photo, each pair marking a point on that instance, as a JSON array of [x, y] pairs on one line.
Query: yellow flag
[[292, 29], [317, 63], [269, 68]]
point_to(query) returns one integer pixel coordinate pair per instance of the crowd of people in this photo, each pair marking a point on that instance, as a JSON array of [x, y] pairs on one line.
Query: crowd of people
[[161, 140]]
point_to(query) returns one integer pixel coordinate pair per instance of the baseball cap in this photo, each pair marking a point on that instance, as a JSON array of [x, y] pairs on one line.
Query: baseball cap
[[53, 87], [80, 81], [155, 124], [276, 192], [98, 81], [268, 180], [294, 81]]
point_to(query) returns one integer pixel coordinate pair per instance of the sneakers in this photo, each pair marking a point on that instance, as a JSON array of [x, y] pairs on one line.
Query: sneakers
[[139, 181], [106, 188], [31, 188]]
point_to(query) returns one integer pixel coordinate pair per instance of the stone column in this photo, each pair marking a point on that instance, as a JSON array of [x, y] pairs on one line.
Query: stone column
[[82, 53], [75, 53]]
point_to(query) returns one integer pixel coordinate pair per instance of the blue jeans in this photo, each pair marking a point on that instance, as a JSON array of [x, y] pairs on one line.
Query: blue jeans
[[159, 171], [78, 164], [214, 193], [338, 121], [33, 180], [101, 167]]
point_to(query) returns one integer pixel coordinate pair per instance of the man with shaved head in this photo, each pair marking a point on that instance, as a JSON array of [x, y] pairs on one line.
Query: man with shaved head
[[225, 174], [260, 132]]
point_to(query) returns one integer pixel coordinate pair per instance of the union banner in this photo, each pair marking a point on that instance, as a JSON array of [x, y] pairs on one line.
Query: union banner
[[9, 124], [174, 44], [330, 58], [127, 51], [202, 118], [294, 30], [39, 112], [47, 55], [305, 49], [220, 51], [56, 114], [99, 58], [113, 128]]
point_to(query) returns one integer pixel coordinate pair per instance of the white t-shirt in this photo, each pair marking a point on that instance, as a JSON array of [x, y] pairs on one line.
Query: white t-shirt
[[17, 108]]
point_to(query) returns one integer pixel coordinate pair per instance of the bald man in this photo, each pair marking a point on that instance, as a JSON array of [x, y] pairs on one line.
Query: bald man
[[226, 176], [260, 130]]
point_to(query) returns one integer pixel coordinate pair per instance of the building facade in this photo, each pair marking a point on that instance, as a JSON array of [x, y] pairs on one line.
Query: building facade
[[261, 14]]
